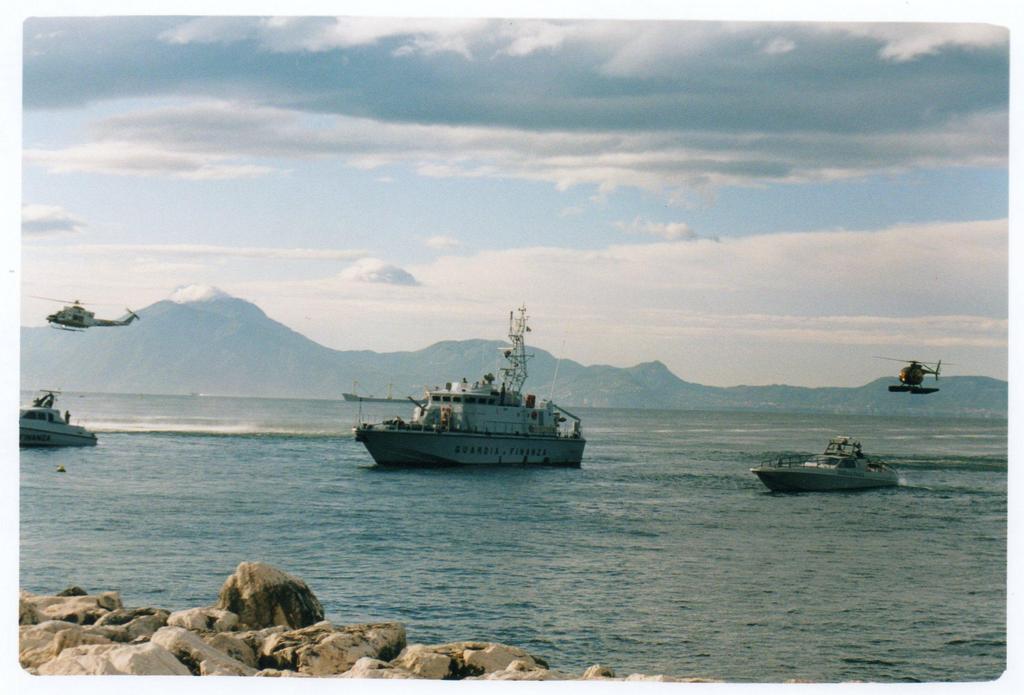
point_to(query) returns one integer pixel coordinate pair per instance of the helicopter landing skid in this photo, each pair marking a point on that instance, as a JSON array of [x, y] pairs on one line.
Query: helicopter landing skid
[[903, 388]]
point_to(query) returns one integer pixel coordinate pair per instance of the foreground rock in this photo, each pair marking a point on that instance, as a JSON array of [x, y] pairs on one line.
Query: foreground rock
[[83, 609], [368, 667], [199, 657], [324, 650], [458, 660], [38, 644], [115, 659], [266, 623], [262, 596], [214, 619], [130, 624]]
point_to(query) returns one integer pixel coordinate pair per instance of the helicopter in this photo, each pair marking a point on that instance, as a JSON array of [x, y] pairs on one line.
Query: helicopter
[[913, 374], [77, 318]]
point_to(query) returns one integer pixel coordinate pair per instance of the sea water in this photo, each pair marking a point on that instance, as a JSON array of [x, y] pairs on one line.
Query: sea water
[[662, 554]]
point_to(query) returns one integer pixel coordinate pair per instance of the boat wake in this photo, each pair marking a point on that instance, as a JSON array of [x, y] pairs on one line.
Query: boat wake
[[209, 429]]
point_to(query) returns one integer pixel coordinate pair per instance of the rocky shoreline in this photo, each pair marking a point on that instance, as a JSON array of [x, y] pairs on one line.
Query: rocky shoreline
[[265, 622]]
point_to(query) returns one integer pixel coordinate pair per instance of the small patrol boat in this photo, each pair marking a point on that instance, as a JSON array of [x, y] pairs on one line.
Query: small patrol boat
[[480, 423], [41, 424], [843, 466]]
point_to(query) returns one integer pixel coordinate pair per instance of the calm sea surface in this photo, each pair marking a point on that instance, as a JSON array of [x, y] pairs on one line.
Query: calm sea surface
[[662, 554]]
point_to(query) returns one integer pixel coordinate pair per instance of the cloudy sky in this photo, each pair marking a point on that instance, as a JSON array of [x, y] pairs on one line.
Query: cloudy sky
[[770, 202]]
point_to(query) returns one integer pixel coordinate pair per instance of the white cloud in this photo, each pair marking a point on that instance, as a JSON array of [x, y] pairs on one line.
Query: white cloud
[[634, 48], [224, 139], [317, 34], [823, 288], [442, 241], [956, 269], [187, 294], [670, 231], [373, 270], [902, 42], [42, 220], [141, 159], [529, 36], [200, 250]]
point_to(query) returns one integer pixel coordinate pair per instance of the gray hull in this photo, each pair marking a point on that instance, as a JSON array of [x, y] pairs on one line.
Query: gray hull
[[428, 448], [38, 436], [813, 480]]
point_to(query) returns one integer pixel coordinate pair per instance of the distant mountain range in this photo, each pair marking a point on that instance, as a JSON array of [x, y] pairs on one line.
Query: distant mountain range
[[227, 346]]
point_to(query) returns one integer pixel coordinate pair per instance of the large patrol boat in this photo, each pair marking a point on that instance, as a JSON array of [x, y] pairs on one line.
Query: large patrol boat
[[480, 423]]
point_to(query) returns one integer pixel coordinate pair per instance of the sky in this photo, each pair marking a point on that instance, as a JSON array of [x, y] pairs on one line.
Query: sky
[[748, 202]]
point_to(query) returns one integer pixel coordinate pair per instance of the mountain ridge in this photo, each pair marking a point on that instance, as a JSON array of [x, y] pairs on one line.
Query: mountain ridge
[[229, 346]]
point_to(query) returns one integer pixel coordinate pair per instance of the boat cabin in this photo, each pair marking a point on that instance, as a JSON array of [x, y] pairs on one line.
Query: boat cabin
[[41, 414], [844, 447], [480, 407]]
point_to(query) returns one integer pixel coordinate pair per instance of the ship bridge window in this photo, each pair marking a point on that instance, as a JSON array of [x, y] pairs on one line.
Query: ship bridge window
[[490, 401], [470, 399], [456, 399], [49, 416], [31, 415], [446, 399]]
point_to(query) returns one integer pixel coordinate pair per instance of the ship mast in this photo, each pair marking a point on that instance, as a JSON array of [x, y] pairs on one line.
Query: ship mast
[[514, 375]]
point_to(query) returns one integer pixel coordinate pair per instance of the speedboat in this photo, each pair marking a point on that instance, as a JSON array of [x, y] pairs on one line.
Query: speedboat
[[843, 466], [41, 424]]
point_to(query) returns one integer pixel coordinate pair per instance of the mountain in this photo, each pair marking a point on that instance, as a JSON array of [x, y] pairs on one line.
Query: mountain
[[204, 341]]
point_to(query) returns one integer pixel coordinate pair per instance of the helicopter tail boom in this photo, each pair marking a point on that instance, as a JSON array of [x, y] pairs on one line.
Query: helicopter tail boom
[[123, 321]]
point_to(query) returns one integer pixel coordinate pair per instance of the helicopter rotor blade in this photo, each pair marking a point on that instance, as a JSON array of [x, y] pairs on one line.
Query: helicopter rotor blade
[[53, 299], [73, 301], [922, 362]]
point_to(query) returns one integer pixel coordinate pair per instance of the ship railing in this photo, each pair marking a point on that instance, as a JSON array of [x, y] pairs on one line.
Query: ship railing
[[399, 424], [801, 460]]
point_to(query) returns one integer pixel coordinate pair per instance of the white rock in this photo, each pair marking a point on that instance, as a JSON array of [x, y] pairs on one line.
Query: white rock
[[256, 638], [534, 674], [522, 670], [598, 671], [232, 645], [40, 643], [423, 661], [146, 659], [659, 678], [278, 673], [83, 610], [192, 651], [28, 614], [496, 657], [129, 624], [115, 659], [368, 667], [86, 659], [323, 649], [209, 618]]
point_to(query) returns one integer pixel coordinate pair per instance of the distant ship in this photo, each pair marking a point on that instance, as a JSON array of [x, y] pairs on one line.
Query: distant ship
[[480, 423], [368, 399]]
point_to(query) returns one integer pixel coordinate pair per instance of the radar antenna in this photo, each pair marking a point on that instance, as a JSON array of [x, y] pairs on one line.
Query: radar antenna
[[514, 375]]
